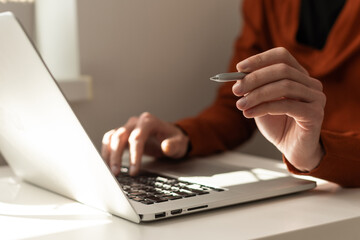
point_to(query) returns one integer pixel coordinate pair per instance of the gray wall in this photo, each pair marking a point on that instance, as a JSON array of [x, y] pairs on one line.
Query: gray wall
[[154, 56]]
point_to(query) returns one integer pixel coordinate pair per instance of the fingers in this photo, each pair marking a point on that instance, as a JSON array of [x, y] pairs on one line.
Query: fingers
[[133, 134], [286, 103], [140, 134], [137, 141], [174, 147], [302, 112], [168, 139], [272, 74], [117, 146], [279, 90], [114, 143], [270, 57], [277, 85], [105, 149]]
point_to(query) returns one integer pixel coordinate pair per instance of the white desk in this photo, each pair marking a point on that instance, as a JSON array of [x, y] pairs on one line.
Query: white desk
[[327, 212]]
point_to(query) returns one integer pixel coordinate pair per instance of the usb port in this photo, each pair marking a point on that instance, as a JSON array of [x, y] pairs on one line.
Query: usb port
[[177, 211], [160, 215]]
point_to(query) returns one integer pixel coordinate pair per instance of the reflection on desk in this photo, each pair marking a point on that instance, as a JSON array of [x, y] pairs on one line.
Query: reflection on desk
[[327, 212]]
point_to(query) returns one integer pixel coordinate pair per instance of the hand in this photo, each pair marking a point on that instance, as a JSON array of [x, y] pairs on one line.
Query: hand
[[145, 134], [286, 103]]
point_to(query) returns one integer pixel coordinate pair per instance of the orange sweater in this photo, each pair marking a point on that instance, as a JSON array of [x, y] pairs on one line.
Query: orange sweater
[[274, 23]]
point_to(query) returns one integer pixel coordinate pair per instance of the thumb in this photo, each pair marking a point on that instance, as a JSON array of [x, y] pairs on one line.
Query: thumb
[[174, 147]]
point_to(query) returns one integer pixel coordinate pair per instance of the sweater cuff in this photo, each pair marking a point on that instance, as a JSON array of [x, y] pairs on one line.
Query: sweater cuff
[[338, 164], [195, 133]]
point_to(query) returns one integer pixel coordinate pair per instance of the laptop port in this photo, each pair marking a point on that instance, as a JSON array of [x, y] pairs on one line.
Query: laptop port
[[196, 208], [177, 211], [160, 215]]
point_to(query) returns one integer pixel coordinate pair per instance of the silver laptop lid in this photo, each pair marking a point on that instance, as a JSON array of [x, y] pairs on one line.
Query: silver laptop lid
[[40, 136]]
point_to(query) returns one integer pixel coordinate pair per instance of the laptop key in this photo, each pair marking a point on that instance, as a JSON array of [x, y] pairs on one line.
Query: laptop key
[[156, 199], [147, 202], [150, 188], [185, 193], [138, 199], [174, 197], [161, 179], [199, 192]]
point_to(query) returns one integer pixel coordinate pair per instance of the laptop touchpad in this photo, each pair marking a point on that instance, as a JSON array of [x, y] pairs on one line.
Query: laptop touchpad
[[217, 174]]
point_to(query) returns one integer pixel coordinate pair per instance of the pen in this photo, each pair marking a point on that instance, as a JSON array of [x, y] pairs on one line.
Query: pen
[[228, 77]]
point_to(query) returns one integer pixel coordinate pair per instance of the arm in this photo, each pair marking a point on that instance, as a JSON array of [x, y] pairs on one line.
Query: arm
[[221, 126], [341, 163]]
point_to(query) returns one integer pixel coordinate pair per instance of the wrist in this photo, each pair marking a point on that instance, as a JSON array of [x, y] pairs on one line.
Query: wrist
[[313, 161], [186, 141]]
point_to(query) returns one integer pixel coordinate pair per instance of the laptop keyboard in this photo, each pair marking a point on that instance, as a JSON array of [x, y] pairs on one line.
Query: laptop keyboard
[[150, 188]]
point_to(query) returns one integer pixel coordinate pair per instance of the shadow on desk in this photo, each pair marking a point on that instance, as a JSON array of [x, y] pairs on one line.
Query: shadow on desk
[[29, 212]]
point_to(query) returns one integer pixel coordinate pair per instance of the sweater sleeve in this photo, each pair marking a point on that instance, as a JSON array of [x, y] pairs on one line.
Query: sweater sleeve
[[342, 155], [222, 126]]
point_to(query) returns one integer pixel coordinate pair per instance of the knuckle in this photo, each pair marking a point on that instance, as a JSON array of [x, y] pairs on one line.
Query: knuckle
[[146, 115], [120, 132], [322, 99], [319, 112], [318, 85], [283, 68], [282, 51], [258, 60], [132, 119], [135, 136], [105, 140], [147, 118], [254, 77], [107, 135], [287, 85]]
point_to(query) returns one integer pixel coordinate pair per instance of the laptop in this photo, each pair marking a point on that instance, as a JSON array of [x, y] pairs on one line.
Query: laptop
[[45, 144]]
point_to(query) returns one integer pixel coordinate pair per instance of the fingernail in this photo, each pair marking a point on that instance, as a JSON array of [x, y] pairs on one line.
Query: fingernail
[[241, 103], [114, 169], [132, 170], [165, 147], [248, 113], [243, 66], [237, 89]]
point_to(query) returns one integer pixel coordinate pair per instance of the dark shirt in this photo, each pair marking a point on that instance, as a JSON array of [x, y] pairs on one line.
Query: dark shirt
[[316, 20]]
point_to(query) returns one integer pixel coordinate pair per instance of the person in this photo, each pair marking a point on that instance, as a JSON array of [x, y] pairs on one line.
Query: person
[[302, 92]]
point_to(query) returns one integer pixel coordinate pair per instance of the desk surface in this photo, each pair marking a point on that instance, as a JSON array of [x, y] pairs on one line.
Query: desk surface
[[326, 212]]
